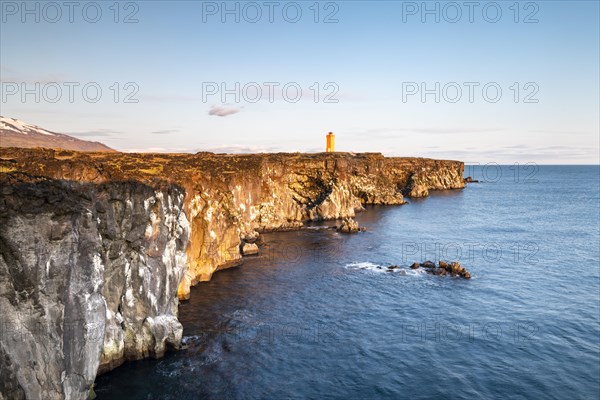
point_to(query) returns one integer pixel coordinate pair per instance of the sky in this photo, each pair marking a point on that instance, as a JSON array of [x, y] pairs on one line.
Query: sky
[[506, 81]]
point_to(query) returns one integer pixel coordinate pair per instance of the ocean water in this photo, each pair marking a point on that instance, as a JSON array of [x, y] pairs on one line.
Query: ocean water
[[318, 316]]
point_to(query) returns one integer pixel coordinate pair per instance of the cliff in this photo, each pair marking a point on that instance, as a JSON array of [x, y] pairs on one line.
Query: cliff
[[88, 278], [97, 247]]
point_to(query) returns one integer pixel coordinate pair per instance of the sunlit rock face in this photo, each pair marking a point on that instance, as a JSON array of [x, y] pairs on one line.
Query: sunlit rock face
[[88, 278], [96, 248], [230, 196], [281, 191]]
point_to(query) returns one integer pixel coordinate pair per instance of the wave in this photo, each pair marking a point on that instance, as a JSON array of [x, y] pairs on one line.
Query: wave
[[378, 268]]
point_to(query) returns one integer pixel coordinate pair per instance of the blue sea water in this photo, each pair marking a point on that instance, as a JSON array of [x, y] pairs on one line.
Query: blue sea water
[[317, 315]]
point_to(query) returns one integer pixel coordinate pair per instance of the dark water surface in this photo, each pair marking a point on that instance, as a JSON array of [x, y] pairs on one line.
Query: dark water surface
[[314, 317]]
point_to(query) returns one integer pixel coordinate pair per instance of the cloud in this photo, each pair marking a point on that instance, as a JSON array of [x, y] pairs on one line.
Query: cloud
[[93, 133], [452, 130], [228, 149], [11, 75], [6, 69], [393, 133], [558, 132], [223, 111], [242, 149], [158, 150], [165, 131], [167, 98], [521, 153]]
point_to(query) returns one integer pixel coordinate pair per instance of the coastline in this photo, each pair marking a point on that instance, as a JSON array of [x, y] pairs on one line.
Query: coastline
[[158, 228]]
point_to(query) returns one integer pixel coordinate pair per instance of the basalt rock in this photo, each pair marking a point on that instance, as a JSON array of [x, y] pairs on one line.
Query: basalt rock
[[88, 279], [349, 225], [454, 268]]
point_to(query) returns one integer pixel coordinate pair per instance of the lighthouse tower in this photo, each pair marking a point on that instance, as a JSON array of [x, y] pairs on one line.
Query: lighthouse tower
[[330, 147]]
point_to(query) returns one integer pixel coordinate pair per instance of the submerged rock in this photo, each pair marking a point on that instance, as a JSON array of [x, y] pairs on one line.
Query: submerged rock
[[469, 179]]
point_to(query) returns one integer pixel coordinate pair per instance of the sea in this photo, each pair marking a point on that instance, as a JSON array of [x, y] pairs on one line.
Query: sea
[[319, 315]]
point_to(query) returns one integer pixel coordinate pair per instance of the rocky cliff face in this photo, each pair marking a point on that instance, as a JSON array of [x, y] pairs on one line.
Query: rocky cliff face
[[96, 247], [88, 279], [273, 192]]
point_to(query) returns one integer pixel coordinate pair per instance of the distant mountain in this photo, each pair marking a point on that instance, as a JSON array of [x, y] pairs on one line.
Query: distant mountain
[[15, 133]]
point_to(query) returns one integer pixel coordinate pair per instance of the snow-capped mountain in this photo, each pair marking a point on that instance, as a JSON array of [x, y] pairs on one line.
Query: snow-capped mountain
[[16, 133]]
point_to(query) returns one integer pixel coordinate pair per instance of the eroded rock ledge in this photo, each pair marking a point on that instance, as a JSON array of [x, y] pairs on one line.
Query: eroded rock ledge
[[96, 247]]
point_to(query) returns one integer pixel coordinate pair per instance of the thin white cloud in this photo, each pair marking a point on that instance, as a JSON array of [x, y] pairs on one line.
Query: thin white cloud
[[393, 133], [168, 98], [158, 150], [93, 133], [241, 149], [521, 153], [220, 111]]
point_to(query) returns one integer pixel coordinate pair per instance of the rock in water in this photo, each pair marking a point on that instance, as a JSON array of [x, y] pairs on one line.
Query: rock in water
[[249, 249], [349, 225], [454, 268]]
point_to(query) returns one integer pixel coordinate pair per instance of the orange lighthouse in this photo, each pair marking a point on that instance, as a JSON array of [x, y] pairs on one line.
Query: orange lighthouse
[[330, 148]]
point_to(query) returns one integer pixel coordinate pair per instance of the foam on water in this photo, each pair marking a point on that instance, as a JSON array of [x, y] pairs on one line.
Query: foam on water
[[378, 268]]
